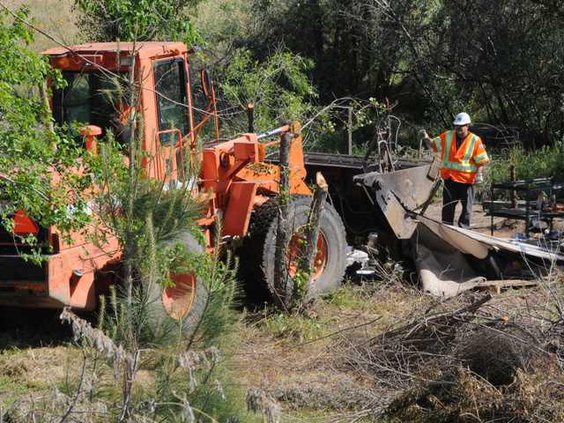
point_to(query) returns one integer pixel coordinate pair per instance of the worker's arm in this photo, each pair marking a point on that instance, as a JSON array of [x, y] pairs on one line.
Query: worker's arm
[[481, 159], [479, 155], [428, 140], [480, 172]]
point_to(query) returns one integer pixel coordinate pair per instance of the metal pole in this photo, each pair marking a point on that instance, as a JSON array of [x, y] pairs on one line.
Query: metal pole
[[513, 175], [273, 132], [527, 208], [251, 117], [492, 209], [349, 147]]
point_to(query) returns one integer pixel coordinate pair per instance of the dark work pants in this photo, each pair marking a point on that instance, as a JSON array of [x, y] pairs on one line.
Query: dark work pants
[[453, 192]]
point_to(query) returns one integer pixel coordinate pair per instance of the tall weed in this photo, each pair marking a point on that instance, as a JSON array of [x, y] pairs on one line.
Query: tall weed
[[547, 161]]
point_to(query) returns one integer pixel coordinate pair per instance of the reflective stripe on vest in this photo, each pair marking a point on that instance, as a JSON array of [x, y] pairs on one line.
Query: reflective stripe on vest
[[481, 157], [470, 149], [438, 144], [464, 164]]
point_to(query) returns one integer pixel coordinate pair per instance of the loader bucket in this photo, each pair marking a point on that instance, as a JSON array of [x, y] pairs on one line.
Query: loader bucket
[[400, 192]]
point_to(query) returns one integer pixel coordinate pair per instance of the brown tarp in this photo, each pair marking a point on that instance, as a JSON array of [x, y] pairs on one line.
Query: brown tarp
[[441, 253]]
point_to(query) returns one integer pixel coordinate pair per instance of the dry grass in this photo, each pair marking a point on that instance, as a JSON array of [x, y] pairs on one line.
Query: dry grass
[[46, 365], [322, 378], [295, 361], [33, 371], [535, 395], [56, 17]]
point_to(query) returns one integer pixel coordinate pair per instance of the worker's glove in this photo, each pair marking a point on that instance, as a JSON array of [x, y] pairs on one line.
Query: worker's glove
[[479, 178]]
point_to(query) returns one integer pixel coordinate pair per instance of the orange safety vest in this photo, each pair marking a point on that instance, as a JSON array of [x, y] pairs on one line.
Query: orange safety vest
[[460, 165]]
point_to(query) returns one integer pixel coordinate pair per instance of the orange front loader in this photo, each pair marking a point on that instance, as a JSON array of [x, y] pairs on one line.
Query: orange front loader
[[175, 105]]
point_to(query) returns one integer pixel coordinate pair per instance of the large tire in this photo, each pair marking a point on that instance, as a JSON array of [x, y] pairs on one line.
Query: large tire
[[185, 302], [257, 259]]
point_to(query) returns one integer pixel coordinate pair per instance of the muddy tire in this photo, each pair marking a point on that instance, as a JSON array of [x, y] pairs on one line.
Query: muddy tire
[[185, 302], [258, 257]]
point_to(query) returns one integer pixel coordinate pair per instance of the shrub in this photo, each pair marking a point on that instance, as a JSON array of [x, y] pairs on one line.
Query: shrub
[[547, 161]]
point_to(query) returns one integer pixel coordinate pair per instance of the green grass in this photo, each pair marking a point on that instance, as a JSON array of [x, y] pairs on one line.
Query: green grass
[[346, 306], [10, 390], [543, 162], [296, 327], [17, 377], [321, 416], [349, 297]]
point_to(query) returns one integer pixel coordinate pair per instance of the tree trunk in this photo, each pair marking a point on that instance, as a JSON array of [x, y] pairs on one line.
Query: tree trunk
[[283, 286], [312, 229]]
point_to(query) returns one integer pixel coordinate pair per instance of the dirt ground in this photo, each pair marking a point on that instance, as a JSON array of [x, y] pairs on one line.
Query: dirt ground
[[480, 222]]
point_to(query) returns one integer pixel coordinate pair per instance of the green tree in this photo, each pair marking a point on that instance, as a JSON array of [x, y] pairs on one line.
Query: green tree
[[142, 20], [501, 61], [31, 153], [51, 177], [508, 61], [278, 88]]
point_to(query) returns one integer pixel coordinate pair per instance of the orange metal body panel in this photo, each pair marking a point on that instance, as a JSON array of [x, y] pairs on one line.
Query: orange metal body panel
[[23, 225], [142, 49], [238, 213], [90, 132], [232, 171], [70, 278], [112, 56]]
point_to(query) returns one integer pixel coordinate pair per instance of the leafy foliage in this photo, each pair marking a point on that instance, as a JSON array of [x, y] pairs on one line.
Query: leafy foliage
[[278, 88], [151, 220], [109, 20], [50, 175], [32, 155], [544, 162], [500, 61]]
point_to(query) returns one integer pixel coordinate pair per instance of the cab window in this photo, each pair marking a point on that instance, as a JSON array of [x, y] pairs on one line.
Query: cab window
[[199, 100], [172, 103], [88, 99]]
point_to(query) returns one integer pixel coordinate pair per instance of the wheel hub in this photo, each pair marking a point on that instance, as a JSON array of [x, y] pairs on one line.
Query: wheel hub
[[179, 298], [296, 251]]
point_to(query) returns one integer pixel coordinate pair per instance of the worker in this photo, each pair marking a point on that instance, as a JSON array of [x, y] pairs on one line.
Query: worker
[[462, 158]]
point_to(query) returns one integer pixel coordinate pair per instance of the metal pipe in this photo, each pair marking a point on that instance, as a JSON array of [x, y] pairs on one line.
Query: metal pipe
[[273, 132]]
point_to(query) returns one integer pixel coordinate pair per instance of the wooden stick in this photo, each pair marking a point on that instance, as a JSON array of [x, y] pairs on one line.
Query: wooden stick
[[311, 234], [283, 286]]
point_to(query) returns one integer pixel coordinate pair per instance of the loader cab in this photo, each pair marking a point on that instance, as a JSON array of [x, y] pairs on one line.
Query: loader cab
[[97, 92]]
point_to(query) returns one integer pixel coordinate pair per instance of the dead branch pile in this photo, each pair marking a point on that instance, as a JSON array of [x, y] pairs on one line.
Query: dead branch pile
[[477, 359], [395, 357]]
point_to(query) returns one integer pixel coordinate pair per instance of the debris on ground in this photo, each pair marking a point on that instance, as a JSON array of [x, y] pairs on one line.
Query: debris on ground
[[447, 258]]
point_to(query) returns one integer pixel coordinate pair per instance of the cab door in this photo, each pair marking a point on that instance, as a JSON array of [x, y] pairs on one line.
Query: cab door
[[173, 117]]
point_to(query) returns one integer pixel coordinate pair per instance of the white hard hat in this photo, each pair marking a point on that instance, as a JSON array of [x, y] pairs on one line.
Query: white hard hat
[[462, 119]]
